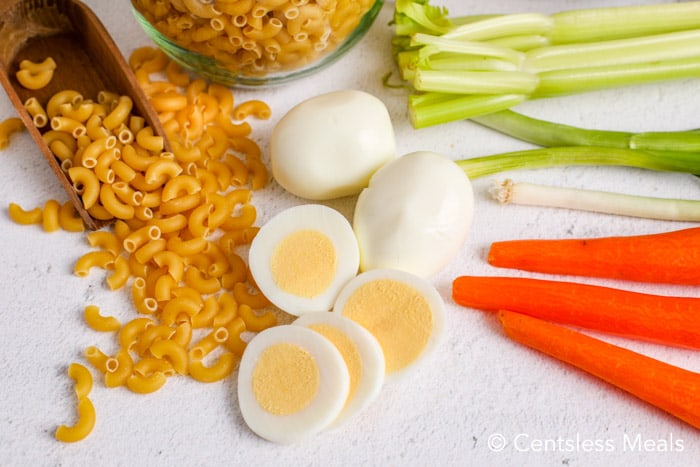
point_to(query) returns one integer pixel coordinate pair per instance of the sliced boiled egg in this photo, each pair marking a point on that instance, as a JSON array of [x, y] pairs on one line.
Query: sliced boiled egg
[[303, 256], [362, 354], [404, 312], [292, 383]]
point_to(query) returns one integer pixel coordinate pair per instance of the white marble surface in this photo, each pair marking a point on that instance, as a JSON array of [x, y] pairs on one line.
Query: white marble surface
[[478, 387]]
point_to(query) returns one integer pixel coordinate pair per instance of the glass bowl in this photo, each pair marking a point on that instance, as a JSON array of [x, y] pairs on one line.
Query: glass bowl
[[255, 42]]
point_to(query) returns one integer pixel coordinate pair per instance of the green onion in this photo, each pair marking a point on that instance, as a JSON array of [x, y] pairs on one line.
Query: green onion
[[476, 167], [510, 192], [544, 133], [479, 65]]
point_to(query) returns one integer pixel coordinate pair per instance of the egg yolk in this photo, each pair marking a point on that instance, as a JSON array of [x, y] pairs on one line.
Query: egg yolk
[[398, 315], [285, 379], [347, 349], [304, 263]]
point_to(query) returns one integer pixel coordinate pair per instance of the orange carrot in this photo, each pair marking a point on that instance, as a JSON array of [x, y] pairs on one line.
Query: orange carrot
[[670, 388], [658, 318], [666, 257]]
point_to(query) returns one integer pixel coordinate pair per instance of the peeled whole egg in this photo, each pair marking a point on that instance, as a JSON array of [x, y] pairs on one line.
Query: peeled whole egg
[[329, 146], [302, 257], [414, 215]]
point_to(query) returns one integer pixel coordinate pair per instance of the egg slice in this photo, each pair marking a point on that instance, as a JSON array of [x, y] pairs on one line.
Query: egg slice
[[292, 383], [404, 312], [362, 354], [303, 256]]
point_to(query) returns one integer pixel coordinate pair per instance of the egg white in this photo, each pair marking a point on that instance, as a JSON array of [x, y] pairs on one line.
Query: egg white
[[329, 400], [316, 217], [423, 288], [415, 214], [328, 146], [371, 360]]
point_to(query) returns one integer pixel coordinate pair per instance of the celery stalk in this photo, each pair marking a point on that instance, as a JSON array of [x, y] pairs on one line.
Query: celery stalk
[[501, 26], [595, 24], [574, 81], [659, 47], [569, 52], [475, 82], [427, 110]]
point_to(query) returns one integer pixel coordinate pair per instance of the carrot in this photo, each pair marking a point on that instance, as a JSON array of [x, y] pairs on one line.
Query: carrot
[[657, 318], [666, 257], [670, 388]]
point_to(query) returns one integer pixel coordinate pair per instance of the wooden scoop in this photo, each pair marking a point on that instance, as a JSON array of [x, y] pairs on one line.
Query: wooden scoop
[[88, 61]]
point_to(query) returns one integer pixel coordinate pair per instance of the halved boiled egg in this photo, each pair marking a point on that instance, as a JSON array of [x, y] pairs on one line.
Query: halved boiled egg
[[404, 312], [303, 256], [292, 383], [362, 354]]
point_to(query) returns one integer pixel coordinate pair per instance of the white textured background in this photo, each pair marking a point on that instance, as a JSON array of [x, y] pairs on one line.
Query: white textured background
[[478, 385]]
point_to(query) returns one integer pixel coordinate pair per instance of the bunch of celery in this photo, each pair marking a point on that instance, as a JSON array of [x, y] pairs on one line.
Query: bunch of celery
[[462, 67]]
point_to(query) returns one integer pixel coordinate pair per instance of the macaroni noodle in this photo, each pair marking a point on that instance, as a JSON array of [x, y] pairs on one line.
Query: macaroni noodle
[[34, 80], [82, 378], [50, 216], [37, 112], [120, 370], [132, 330], [99, 322], [82, 427], [148, 365], [68, 218], [255, 322], [146, 384], [97, 358], [121, 274], [222, 368], [100, 259], [86, 184], [234, 342], [174, 353], [208, 343], [206, 314], [8, 127], [20, 216]]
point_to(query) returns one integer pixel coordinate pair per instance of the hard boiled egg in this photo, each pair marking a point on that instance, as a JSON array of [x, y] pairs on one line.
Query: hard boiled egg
[[362, 354], [302, 257], [404, 312], [292, 383], [415, 214], [329, 146]]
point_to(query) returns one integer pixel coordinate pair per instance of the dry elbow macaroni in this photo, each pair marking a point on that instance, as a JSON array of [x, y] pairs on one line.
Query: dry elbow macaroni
[[33, 75], [179, 218], [255, 37], [8, 127], [86, 411]]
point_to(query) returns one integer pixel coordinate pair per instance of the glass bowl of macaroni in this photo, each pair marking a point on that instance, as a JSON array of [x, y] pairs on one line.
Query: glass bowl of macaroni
[[255, 42]]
